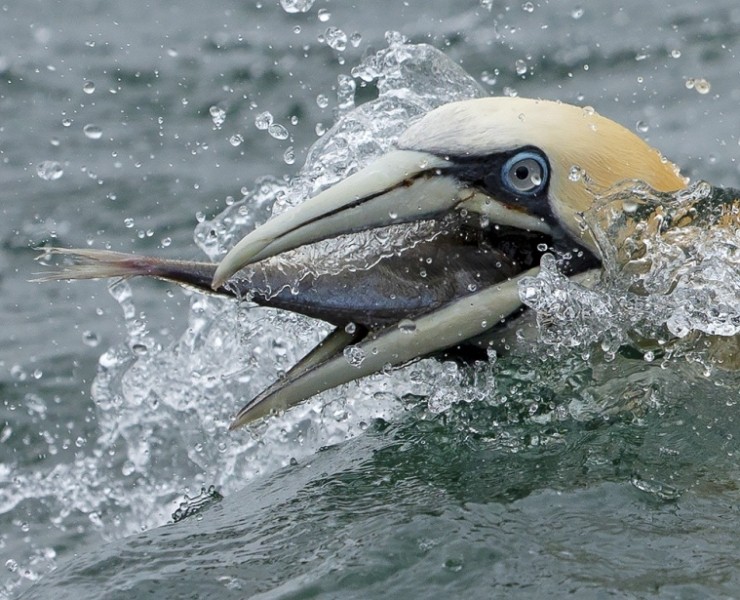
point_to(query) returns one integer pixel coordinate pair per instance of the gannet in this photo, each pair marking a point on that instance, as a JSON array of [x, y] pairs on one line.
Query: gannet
[[504, 180]]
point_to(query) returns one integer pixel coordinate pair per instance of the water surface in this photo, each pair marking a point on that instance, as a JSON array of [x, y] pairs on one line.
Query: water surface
[[535, 477]]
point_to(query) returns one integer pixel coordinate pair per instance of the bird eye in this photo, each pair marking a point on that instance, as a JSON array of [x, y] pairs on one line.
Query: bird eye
[[525, 173]]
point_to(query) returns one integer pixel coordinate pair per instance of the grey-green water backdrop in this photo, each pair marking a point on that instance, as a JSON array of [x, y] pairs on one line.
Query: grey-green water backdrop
[[127, 124]]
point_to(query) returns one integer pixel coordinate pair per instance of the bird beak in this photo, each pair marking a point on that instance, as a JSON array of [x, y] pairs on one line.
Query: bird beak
[[400, 187], [326, 366]]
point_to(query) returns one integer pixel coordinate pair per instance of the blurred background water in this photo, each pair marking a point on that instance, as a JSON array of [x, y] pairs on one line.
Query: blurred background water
[[128, 125]]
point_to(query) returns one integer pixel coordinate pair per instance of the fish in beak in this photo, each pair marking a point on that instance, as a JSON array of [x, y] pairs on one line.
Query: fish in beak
[[497, 183]]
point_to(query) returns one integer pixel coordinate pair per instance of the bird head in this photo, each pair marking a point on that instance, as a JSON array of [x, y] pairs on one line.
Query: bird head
[[533, 165], [520, 170]]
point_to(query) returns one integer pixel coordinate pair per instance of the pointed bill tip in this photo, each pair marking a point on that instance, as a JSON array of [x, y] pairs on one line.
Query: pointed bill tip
[[218, 280], [377, 188], [237, 258], [223, 272], [259, 407], [242, 418]]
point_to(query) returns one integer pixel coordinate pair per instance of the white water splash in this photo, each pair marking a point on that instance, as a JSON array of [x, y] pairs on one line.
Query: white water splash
[[671, 278], [162, 412]]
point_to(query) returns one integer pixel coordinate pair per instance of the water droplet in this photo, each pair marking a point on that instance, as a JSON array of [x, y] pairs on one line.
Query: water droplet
[[88, 87], [90, 338], [17, 372], [263, 120], [355, 39], [11, 565], [50, 170], [454, 564], [642, 127], [489, 78], [630, 207], [675, 53], [218, 116], [521, 67], [66, 122], [542, 247], [278, 132], [236, 139], [324, 15], [322, 101], [289, 155], [588, 111], [171, 52], [128, 222], [296, 6], [350, 328], [577, 13], [354, 355], [166, 242], [529, 294], [336, 39], [406, 326], [139, 349], [576, 173], [95, 519], [528, 7], [701, 85], [92, 132]]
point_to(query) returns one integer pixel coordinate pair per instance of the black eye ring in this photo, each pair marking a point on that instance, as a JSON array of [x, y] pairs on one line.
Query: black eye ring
[[525, 173]]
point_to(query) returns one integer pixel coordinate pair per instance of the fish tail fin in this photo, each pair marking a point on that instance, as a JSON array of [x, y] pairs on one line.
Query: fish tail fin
[[84, 263]]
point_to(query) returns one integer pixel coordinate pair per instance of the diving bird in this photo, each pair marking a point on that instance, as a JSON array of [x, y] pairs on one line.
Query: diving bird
[[492, 184]]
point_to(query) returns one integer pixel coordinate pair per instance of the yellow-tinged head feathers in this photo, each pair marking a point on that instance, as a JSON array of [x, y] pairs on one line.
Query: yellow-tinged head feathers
[[588, 153]]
